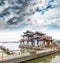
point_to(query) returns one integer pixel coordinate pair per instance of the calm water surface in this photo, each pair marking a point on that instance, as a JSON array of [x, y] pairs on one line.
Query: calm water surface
[[54, 58]]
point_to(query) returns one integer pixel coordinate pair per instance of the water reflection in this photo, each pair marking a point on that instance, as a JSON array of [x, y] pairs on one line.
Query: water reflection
[[54, 58]]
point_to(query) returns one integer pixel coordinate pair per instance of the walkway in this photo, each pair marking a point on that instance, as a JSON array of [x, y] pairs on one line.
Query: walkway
[[26, 56]]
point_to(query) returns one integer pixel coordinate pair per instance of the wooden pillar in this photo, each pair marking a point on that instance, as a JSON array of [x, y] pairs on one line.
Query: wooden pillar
[[48, 44], [32, 42], [51, 42], [23, 42], [28, 41], [44, 42], [37, 42]]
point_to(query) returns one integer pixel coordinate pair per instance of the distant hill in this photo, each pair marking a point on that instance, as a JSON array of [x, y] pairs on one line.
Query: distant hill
[[57, 41]]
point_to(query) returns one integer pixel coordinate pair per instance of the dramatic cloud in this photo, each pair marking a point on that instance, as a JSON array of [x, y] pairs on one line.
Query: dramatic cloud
[[34, 13]]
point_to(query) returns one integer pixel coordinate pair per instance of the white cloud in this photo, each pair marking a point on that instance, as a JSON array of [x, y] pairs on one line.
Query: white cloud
[[10, 35], [37, 19], [55, 21], [54, 33], [16, 35]]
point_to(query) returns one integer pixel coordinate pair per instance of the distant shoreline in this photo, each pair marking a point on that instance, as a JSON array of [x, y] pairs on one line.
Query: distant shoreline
[[10, 42]]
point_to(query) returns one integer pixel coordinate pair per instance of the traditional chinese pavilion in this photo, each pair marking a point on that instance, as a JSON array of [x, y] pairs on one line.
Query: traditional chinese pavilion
[[35, 39]]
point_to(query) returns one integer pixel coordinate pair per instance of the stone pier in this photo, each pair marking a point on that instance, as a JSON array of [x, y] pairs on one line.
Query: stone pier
[[25, 57]]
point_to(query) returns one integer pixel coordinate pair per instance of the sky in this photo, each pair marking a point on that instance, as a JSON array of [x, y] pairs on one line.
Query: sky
[[17, 16]]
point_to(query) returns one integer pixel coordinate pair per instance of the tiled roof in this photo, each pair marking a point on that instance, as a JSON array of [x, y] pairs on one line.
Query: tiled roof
[[40, 33], [28, 32]]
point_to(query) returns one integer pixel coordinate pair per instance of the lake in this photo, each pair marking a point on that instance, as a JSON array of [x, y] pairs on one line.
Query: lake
[[10, 46], [54, 58]]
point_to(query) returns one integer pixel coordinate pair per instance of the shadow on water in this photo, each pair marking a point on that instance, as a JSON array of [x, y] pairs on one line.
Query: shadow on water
[[45, 59]]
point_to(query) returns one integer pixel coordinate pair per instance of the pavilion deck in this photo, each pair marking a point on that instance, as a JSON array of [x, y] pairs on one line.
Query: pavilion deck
[[35, 47]]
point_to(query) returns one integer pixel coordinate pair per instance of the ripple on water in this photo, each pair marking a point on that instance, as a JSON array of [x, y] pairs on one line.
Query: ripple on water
[[55, 60]]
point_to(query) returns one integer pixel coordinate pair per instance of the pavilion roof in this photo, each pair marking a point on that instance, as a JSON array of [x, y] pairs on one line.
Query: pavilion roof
[[48, 39], [41, 39], [28, 32], [39, 33]]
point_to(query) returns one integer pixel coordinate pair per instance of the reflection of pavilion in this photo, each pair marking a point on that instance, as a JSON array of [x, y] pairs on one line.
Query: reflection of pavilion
[[37, 39]]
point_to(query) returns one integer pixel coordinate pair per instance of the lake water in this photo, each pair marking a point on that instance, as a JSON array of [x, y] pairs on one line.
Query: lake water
[[11, 46], [54, 58]]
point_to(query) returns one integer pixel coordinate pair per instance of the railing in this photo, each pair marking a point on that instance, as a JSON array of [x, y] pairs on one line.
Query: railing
[[2, 54], [17, 53]]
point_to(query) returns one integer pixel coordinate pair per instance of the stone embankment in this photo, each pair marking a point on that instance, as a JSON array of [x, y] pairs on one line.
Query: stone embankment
[[27, 56]]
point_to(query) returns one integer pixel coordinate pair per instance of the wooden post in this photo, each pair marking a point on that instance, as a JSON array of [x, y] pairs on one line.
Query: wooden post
[[2, 55], [37, 42]]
